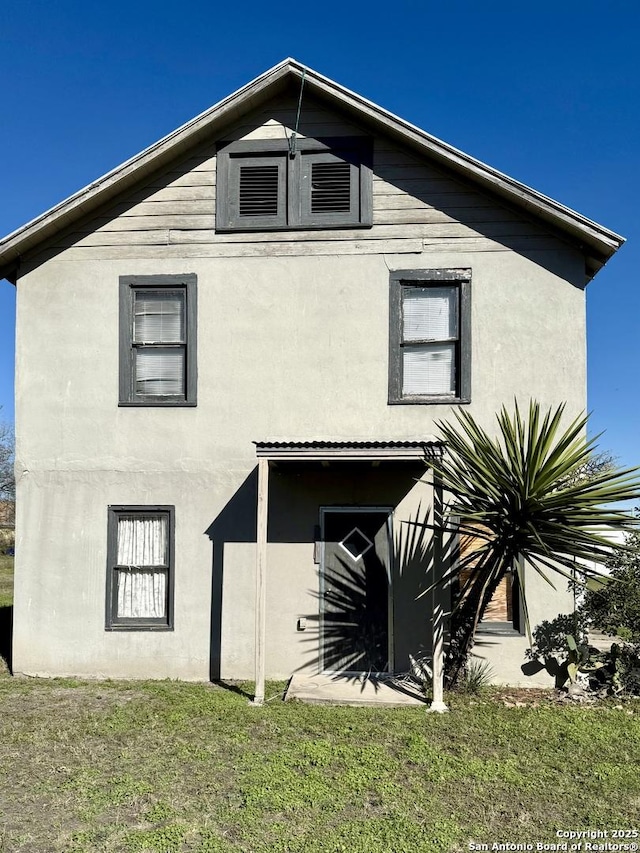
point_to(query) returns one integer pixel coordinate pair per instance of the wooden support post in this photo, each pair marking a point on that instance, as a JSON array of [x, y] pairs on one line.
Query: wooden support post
[[437, 615], [261, 578]]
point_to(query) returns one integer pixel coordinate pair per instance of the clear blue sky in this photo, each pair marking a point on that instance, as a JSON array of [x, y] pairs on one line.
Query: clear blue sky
[[548, 92]]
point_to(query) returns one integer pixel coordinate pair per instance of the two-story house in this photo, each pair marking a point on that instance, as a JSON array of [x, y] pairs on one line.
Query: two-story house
[[231, 355]]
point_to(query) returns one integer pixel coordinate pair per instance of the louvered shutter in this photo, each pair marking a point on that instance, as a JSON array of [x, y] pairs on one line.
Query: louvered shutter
[[329, 190], [330, 187], [324, 183], [257, 192]]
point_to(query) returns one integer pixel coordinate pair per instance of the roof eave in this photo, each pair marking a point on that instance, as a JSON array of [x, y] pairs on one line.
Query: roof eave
[[597, 242], [589, 234], [149, 160]]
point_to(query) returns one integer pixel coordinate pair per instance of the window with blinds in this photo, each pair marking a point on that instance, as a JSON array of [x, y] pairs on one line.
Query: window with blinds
[[140, 567], [157, 340], [324, 183], [429, 336]]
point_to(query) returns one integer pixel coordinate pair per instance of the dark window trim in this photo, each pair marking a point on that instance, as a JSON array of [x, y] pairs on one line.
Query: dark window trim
[[129, 285], [425, 277], [112, 622], [356, 150]]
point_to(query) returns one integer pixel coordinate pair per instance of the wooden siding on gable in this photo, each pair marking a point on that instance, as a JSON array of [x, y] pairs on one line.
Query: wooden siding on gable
[[416, 208]]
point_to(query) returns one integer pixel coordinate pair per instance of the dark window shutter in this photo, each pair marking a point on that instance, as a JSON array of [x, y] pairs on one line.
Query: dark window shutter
[[330, 187], [251, 192], [260, 185], [258, 190], [327, 188]]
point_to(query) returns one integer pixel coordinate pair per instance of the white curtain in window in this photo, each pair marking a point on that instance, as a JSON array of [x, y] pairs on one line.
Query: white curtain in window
[[160, 371], [159, 318], [142, 594], [430, 313], [142, 541], [428, 369]]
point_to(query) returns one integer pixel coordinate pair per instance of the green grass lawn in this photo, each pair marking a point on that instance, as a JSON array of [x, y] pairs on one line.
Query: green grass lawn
[[166, 767], [177, 767]]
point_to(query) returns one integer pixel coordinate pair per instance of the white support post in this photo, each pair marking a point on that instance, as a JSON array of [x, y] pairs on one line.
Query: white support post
[[261, 578], [438, 705], [437, 621]]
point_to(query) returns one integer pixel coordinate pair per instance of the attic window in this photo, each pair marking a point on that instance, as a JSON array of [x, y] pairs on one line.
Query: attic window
[[327, 184]]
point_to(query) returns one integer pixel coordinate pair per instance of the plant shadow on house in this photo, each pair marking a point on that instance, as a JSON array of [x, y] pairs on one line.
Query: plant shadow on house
[[359, 640]]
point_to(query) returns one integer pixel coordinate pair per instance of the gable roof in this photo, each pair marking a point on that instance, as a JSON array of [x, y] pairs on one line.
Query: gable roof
[[597, 242]]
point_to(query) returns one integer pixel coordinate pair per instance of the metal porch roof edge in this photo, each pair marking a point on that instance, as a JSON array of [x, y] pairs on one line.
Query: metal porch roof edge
[[348, 450], [602, 242]]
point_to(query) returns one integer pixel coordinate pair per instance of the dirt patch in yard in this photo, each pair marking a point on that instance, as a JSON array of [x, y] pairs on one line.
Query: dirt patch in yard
[[61, 700]]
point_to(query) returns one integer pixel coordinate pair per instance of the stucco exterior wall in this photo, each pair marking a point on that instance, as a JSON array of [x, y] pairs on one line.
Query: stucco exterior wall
[[289, 348], [293, 340], [322, 322]]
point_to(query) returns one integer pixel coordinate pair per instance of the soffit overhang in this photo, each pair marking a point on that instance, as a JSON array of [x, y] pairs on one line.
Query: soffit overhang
[[596, 242]]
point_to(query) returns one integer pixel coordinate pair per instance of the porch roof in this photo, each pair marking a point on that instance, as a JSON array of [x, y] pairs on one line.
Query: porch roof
[[345, 450]]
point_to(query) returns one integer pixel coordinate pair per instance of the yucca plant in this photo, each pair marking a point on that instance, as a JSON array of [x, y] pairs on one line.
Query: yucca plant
[[528, 495]]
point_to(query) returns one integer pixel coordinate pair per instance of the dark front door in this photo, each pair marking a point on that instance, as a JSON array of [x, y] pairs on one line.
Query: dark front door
[[355, 590]]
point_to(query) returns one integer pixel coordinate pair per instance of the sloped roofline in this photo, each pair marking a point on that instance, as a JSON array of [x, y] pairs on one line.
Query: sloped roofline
[[597, 242]]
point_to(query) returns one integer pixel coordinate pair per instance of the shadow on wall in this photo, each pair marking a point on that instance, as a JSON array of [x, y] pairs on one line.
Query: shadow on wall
[[236, 523], [353, 616], [6, 625]]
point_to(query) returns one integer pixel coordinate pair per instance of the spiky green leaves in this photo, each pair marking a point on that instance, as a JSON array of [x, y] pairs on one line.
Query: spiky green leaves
[[530, 493]]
